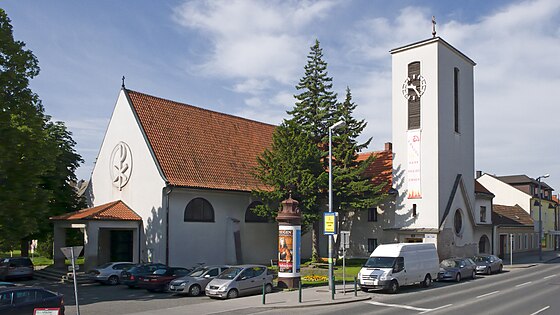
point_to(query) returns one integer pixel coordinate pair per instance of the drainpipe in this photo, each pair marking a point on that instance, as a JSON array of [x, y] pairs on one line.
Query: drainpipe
[[167, 191]]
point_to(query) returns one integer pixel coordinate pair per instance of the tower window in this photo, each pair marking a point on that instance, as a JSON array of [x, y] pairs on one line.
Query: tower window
[[414, 104], [456, 98], [372, 215]]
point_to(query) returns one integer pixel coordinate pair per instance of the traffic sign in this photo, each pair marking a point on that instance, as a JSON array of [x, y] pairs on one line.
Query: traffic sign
[[67, 251], [345, 239], [330, 223]]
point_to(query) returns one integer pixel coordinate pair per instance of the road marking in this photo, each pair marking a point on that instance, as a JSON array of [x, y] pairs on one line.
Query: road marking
[[435, 309], [400, 306], [542, 309], [487, 294], [522, 284], [549, 276]]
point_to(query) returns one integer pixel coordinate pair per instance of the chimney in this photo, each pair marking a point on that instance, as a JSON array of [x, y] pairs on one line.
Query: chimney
[[388, 146], [478, 174]]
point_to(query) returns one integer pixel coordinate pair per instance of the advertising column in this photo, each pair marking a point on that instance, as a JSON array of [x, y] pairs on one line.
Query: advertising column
[[289, 244]]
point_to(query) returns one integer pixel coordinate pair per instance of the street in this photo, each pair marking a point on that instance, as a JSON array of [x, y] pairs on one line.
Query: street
[[527, 291]]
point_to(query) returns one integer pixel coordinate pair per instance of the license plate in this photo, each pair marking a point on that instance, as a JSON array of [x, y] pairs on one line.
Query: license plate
[[368, 282], [147, 280]]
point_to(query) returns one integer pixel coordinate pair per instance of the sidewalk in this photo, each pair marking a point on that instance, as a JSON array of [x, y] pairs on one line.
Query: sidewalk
[[525, 260], [316, 296]]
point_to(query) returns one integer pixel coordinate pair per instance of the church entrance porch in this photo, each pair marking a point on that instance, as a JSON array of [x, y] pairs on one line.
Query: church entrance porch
[[111, 233]]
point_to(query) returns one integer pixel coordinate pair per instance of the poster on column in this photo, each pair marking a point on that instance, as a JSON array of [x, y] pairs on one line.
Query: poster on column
[[289, 239], [413, 170]]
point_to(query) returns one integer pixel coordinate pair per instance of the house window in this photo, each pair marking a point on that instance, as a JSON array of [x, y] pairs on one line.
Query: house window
[[458, 222], [251, 216], [372, 215], [371, 244], [456, 97], [518, 240], [531, 241], [199, 210], [482, 213], [525, 241]]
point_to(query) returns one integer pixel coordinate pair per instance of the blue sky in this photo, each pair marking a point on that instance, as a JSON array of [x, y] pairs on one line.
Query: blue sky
[[245, 57]]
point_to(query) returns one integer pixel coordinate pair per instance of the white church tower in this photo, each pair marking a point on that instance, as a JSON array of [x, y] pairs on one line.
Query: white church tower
[[433, 145]]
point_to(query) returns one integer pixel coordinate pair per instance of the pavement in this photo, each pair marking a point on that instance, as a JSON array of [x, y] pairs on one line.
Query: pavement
[[529, 259], [314, 296]]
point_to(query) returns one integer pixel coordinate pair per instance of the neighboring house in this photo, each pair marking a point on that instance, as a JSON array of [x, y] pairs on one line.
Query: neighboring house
[[524, 191], [513, 224], [483, 218]]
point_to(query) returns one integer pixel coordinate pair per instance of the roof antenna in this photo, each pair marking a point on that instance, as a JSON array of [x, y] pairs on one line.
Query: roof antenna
[[122, 82], [433, 26]]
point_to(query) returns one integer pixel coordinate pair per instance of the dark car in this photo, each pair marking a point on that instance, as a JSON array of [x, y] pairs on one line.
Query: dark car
[[457, 269], [130, 277], [488, 264], [23, 300], [159, 280], [16, 267]]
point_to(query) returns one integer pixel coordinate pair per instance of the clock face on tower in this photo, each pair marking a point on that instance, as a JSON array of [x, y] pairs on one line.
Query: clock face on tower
[[414, 87]]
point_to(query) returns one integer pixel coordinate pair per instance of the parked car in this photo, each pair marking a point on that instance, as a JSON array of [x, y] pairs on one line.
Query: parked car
[[159, 280], [23, 300], [240, 280], [109, 273], [393, 265], [6, 284], [195, 282], [488, 264], [16, 267], [456, 269], [130, 277]]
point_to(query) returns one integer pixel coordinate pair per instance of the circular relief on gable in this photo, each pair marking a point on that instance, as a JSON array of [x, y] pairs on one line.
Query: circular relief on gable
[[121, 165], [458, 221]]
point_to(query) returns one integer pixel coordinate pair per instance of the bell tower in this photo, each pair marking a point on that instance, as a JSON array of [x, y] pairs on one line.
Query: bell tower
[[433, 142]]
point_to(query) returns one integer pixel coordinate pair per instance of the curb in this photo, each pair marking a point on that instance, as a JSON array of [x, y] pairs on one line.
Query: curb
[[314, 304]]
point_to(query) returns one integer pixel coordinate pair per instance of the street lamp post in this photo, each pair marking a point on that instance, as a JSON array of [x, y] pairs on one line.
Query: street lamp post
[[338, 124], [540, 221]]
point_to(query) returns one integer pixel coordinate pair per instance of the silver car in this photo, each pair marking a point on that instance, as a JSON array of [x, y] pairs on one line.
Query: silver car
[[488, 264], [195, 282], [240, 280], [16, 267], [457, 269], [109, 273]]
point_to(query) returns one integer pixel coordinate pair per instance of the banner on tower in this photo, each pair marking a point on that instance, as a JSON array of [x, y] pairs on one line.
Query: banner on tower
[[413, 174]]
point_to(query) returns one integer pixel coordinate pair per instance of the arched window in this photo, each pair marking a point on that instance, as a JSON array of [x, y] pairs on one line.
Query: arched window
[[199, 210], [484, 245], [251, 216], [458, 222]]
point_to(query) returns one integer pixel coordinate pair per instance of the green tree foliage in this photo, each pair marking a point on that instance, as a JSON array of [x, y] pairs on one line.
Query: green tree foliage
[[298, 158], [32, 149]]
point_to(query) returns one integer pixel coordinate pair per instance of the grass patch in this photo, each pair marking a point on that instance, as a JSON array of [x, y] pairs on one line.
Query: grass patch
[[40, 260]]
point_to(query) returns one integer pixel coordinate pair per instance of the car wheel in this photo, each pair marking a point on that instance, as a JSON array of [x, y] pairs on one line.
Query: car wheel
[[501, 268], [458, 277], [474, 274], [393, 287], [131, 286], [232, 294], [194, 290], [364, 289], [113, 280], [427, 281], [489, 270], [268, 288]]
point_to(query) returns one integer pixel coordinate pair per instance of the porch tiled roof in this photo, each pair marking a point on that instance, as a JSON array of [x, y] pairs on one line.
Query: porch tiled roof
[[511, 215], [116, 211], [200, 148], [381, 170]]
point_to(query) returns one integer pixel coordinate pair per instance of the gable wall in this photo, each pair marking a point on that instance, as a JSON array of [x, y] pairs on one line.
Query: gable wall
[[143, 192]]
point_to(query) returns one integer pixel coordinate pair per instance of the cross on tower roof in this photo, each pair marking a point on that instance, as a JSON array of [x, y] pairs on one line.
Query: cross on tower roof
[[433, 26]]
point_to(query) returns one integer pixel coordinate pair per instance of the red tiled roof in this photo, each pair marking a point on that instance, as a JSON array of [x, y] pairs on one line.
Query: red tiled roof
[[200, 148], [116, 210], [381, 169], [555, 199], [479, 188], [510, 215]]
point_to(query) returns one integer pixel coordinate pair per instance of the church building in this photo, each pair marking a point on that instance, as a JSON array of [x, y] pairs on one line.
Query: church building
[[172, 182]]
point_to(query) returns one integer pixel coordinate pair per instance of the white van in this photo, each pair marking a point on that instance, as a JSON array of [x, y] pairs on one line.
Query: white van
[[393, 265]]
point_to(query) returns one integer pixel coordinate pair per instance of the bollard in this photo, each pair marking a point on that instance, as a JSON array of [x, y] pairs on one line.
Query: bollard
[[300, 291], [264, 294], [355, 286]]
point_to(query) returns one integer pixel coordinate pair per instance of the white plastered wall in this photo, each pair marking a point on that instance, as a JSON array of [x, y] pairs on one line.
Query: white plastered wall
[[143, 192]]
